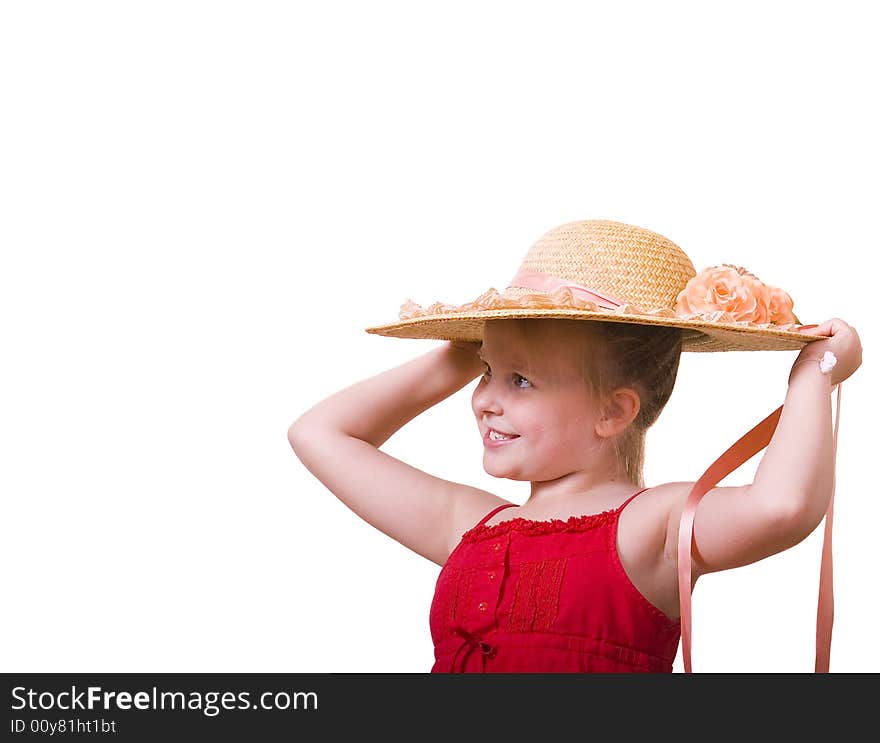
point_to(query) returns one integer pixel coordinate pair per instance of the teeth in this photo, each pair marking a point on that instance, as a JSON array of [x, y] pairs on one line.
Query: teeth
[[495, 436]]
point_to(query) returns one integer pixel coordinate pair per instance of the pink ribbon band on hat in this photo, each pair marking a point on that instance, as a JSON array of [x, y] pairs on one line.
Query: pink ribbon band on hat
[[546, 283]]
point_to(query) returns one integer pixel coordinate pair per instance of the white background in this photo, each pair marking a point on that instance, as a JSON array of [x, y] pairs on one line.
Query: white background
[[205, 203]]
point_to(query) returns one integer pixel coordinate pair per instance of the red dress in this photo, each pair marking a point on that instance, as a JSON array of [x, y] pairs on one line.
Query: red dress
[[526, 596]]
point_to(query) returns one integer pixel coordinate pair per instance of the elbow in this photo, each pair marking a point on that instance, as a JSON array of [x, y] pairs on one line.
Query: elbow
[[299, 436], [296, 434], [307, 436], [802, 515]]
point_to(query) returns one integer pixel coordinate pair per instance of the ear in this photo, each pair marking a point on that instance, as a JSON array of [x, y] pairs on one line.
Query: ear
[[624, 407]]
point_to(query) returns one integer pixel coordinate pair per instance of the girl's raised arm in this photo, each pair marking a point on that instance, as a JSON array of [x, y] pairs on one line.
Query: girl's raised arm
[[793, 483], [338, 441]]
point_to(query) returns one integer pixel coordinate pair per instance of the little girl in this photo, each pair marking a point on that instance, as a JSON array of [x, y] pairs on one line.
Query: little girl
[[576, 359]]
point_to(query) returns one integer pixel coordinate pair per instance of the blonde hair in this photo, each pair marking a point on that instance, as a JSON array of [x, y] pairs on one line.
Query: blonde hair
[[644, 358]]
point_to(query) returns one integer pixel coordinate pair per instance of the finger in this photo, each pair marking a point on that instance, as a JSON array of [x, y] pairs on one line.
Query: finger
[[826, 328], [815, 329]]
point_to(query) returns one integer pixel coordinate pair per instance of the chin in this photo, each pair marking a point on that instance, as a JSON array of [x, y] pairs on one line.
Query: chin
[[503, 472]]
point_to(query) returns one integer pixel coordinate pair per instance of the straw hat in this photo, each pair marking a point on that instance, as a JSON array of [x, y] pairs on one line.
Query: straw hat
[[609, 271], [614, 272]]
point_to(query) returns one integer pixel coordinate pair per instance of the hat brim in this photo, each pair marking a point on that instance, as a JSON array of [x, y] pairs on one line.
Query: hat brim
[[699, 335]]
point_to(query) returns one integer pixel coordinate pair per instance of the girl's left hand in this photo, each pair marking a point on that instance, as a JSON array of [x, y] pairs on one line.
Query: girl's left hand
[[468, 346], [844, 343]]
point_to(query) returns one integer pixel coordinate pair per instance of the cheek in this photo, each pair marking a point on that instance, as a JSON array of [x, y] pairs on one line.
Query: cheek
[[537, 421], [571, 421]]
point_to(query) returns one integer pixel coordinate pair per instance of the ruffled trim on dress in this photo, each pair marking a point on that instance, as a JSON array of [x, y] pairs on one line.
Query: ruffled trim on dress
[[531, 527]]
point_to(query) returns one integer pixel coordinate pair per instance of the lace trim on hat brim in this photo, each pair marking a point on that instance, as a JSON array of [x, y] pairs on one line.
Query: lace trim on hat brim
[[565, 299]]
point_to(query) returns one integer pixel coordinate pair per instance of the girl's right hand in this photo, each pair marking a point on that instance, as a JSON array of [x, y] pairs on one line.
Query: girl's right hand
[[470, 351], [471, 346]]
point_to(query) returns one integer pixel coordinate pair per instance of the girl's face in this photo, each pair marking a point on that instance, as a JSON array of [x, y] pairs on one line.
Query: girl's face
[[543, 404]]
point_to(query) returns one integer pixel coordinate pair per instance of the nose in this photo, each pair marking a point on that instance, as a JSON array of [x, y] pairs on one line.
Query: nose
[[487, 398]]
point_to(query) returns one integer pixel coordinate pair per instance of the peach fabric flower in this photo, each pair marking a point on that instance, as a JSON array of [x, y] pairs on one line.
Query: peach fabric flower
[[729, 293], [781, 306]]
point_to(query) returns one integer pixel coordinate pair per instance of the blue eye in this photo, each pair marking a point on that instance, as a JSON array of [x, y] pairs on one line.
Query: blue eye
[[519, 376]]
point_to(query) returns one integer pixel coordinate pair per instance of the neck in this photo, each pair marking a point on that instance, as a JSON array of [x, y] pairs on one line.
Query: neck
[[590, 491]]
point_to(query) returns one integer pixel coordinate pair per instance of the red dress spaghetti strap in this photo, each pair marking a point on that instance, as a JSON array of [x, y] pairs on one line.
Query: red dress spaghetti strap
[[525, 596]]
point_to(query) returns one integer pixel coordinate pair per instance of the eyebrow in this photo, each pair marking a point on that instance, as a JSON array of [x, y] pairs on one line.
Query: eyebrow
[[515, 362]]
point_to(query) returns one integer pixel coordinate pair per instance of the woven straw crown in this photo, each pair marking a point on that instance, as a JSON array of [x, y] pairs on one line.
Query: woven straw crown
[[637, 267], [633, 264]]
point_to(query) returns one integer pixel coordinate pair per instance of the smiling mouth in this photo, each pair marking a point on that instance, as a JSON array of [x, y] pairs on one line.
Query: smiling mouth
[[496, 436]]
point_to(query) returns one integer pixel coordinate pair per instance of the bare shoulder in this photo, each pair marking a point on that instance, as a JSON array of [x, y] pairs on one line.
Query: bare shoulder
[[651, 522], [733, 526], [647, 541], [675, 501], [641, 545], [643, 525], [655, 502], [468, 507]]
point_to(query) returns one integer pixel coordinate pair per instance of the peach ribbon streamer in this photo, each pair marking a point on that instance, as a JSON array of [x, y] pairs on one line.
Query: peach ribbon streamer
[[743, 450]]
